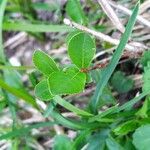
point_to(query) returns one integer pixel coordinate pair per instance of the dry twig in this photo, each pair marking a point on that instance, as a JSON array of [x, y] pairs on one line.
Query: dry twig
[[111, 14], [140, 19], [98, 34], [144, 6]]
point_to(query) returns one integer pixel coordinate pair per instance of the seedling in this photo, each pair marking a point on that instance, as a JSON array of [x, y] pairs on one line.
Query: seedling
[[69, 80]]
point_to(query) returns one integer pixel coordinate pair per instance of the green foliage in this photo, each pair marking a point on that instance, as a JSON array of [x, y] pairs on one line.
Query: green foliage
[[121, 83], [71, 107], [126, 127], [141, 137], [71, 35], [145, 61], [44, 63], [146, 77], [145, 58], [69, 78], [107, 97], [25, 130], [67, 82], [2, 9], [143, 111], [112, 144], [2, 104], [81, 49], [75, 11], [62, 142], [36, 27], [104, 125], [42, 91], [114, 61], [97, 141]]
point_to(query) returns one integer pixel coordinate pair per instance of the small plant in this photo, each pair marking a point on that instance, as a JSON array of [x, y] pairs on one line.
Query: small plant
[[104, 122], [68, 80]]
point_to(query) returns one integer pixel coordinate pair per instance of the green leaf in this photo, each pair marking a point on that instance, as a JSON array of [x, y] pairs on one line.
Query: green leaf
[[18, 93], [69, 123], [80, 140], [70, 81], [141, 137], [115, 59], [128, 145], [13, 79], [25, 130], [145, 58], [146, 77], [121, 83], [2, 105], [116, 109], [2, 10], [53, 6], [75, 11], [42, 91], [112, 144], [107, 97], [62, 142], [71, 35], [97, 141], [28, 27], [71, 107], [103, 114], [143, 111], [126, 127], [33, 78], [44, 63], [81, 49]]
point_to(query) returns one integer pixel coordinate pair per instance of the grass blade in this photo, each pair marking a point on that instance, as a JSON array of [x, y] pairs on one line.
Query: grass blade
[[2, 9], [116, 109], [69, 123], [114, 61], [4, 67], [23, 131], [70, 107], [27, 27], [18, 93]]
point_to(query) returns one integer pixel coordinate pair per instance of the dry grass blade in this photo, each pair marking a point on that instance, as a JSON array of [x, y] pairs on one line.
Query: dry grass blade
[[140, 19], [111, 14], [99, 35], [144, 6]]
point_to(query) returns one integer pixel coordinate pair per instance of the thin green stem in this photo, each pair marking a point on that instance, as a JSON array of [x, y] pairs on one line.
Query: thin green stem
[[70, 107]]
